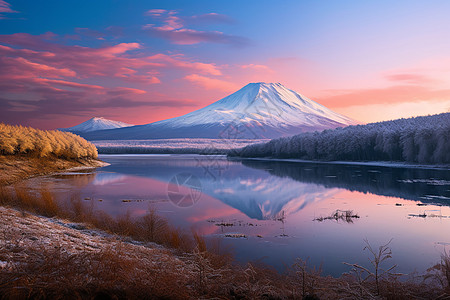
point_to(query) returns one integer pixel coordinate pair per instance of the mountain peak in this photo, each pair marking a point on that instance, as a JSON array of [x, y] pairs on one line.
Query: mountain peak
[[265, 84], [96, 119], [258, 110], [265, 105], [96, 123]]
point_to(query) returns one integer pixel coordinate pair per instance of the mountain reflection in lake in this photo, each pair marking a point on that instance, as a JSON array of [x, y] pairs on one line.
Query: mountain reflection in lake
[[264, 210]]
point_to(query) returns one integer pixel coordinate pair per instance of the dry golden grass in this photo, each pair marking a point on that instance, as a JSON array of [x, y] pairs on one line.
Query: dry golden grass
[[47, 260], [149, 228], [42, 143], [14, 168], [27, 152], [114, 258]]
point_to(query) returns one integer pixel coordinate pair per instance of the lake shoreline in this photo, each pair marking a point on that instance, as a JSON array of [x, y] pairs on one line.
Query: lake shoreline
[[61, 256], [57, 249], [15, 168], [386, 164]]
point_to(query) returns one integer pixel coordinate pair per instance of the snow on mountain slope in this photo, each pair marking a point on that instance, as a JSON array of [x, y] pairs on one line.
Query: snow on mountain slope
[[264, 103], [95, 124], [258, 110]]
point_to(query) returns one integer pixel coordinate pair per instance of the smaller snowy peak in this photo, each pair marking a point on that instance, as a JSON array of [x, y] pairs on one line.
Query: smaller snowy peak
[[259, 110], [96, 123]]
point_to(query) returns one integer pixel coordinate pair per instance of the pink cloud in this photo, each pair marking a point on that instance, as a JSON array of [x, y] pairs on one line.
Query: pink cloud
[[155, 12], [125, 91], [43, 70], [41, 78], [173, 29], [178, 62], [212, 83], [5, 7], [70, 84], [185, 36], [5, 50], [147, 79], [256, 67], [106, 61], [118, 49]]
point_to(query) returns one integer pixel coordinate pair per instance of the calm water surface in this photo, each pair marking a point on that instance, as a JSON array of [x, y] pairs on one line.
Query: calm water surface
[[265, 210]]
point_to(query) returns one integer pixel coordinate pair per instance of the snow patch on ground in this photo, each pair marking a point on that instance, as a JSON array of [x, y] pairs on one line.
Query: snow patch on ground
[[358, 163], [427, 181], [179, 143], [25, 232]]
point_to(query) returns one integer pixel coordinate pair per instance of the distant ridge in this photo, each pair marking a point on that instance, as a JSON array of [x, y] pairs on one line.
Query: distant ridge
[[256, 111], [95, 124]]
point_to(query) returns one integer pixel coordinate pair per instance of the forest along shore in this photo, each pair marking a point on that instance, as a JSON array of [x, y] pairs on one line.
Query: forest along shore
[[68, 250], [419, 140]]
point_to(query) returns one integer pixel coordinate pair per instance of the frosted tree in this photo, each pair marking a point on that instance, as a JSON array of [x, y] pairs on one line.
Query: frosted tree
[[421, 139]]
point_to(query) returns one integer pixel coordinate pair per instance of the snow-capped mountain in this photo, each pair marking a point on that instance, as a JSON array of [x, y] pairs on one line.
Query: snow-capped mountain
[[254, 192], [258, 110], [96, 124]]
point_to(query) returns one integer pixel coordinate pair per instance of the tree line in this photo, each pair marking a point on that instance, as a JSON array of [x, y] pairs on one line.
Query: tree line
[[418, 140], [43, 143]]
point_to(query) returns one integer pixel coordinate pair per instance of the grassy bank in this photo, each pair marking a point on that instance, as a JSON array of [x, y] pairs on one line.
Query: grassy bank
[[43, 143], [14, 168], [75, 252], [27, 152], [68, 250]]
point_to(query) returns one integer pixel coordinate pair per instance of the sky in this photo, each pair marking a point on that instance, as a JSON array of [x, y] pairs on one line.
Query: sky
[[63, 62]]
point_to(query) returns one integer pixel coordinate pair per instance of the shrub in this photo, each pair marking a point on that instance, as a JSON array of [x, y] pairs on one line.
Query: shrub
[[43, 143]]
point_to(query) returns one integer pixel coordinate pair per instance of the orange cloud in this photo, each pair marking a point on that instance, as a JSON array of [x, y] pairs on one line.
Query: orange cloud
[[409, 78], [388, 95]]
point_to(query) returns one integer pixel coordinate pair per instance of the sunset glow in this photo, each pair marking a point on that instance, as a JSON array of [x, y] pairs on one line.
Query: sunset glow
[[61, 63]]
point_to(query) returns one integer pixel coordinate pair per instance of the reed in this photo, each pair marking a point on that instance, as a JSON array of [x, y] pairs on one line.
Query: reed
[[191, 268]]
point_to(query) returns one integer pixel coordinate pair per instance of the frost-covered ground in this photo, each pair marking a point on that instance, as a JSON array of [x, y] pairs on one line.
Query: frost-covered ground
[[26, 232], [50, 258], [55, 259], [180, 145]]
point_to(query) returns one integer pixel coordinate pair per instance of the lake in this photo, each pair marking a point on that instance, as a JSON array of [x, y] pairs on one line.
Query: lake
[[274, 211]]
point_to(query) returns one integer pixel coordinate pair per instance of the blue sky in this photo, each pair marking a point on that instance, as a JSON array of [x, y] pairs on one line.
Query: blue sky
[[370, 60]]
